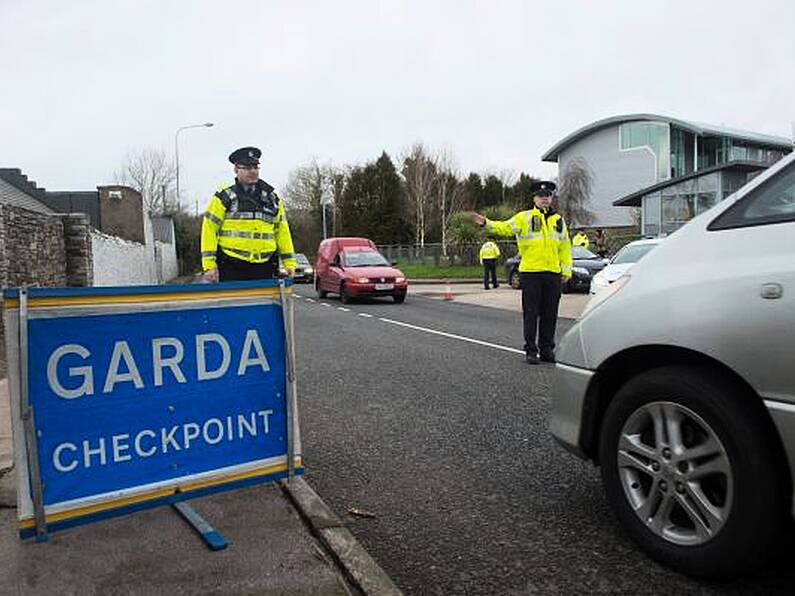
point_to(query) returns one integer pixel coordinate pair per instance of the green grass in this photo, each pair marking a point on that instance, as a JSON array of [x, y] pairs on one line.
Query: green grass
[[418, 271]]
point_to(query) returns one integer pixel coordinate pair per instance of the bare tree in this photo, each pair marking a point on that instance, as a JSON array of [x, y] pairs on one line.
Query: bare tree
[[508, 178], [449, 191], [419, 172], [152, 173], [575, 193]]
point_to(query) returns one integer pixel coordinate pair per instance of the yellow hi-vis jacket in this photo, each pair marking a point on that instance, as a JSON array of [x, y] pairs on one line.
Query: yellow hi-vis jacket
[[580, 239], [489, 250], [542, 238], [246, 226]]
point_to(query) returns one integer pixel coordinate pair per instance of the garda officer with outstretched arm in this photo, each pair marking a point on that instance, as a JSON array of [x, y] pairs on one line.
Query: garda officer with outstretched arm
[[489, 253], [545, 251], [245, 232]]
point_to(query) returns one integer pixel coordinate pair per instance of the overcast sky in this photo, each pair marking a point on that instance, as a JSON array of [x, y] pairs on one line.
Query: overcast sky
[[84, 82]]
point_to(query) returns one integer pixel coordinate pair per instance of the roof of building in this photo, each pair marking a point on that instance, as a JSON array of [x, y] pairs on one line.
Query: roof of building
[[708, 130], [11, 195], [634, 199]]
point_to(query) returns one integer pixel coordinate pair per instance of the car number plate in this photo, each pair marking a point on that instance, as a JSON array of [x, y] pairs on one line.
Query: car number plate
[[384, 287]]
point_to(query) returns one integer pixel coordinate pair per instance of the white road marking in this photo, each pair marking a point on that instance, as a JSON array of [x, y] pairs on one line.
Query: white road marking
[[310, 299], [364, 314], [452, 335], [324, 304], [343, 309]]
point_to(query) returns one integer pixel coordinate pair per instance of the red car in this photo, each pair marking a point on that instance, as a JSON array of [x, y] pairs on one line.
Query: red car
[[353, 268]]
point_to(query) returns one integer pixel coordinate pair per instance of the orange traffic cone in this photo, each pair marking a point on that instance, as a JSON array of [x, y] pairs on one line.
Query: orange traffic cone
[[448, 293]]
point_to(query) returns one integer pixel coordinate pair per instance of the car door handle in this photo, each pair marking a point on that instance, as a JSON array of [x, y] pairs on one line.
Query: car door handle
[[772, 291]]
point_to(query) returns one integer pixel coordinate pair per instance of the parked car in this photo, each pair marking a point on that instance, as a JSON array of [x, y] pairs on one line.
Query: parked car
[[304, 272], [585, 265], [677, 380], [353, 268], [621, 262]]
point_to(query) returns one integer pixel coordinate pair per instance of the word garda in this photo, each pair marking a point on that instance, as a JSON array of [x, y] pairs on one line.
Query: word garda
[[251, 354]]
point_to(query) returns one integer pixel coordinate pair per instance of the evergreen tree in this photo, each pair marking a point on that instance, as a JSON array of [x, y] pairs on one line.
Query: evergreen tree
[[473, 192], [492, 191]]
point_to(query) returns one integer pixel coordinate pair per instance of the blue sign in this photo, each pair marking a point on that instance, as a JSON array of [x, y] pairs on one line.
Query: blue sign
[[127, 402]]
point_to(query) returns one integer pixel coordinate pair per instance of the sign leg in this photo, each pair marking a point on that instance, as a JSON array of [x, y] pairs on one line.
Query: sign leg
[[210, 535]]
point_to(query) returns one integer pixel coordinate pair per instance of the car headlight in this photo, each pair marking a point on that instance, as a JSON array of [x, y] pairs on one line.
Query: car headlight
[[600, 280], [580, 270], [362, 280], [610, 290], [400, 280], [308, 270]]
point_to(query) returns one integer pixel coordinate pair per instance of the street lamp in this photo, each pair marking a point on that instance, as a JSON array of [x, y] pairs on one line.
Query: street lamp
[[176, 147]]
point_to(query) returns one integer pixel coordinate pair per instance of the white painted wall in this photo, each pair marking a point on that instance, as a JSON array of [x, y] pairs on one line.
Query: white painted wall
[[120, 262], [167, 260]]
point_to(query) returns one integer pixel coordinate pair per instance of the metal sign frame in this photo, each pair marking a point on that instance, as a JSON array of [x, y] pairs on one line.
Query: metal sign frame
[[36, 519]]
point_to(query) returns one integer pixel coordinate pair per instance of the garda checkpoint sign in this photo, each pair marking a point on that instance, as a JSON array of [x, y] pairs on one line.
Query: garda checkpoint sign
[[128, 398]]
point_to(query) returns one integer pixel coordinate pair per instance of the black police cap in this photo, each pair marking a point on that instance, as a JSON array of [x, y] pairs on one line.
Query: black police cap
[[245, 156], [543, 187]]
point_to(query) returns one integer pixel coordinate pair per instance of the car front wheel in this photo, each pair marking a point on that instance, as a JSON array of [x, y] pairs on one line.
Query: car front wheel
[[345, 298], [692, 472]]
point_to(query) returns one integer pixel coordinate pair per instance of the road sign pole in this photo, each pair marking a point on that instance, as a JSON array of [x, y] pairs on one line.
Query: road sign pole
[[29, 422], [289, 352]]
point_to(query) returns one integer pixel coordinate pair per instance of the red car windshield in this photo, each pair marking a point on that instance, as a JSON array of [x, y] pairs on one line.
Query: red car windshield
[[369, 258]]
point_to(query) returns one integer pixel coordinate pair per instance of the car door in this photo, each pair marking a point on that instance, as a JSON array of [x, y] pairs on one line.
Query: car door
[[757, 238]]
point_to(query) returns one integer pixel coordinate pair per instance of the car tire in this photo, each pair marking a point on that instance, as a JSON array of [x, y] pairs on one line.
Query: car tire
[[741, 486], [399, 298], [345, 298], [514, 280], [321, 293]]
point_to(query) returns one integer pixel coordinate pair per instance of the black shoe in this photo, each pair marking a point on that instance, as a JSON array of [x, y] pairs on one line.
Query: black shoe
[[548, 356], [531, 358], [496, 286]]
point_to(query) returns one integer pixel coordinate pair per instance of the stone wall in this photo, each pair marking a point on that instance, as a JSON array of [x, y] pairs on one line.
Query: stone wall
[[79, 254], [32, 248]]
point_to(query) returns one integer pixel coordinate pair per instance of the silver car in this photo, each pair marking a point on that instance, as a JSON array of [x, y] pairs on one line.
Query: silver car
[[679, 382]]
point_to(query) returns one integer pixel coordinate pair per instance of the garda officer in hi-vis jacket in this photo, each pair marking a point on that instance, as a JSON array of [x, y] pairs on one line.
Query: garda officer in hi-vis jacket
[[245, 233], [545, 251]]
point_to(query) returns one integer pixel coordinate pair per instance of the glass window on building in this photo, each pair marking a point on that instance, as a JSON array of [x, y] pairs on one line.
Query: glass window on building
[[677, 210], [705, 201], [650, 135], [651, 214]]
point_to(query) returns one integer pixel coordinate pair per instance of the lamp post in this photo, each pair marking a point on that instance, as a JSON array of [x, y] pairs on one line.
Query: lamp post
[[176, 147]]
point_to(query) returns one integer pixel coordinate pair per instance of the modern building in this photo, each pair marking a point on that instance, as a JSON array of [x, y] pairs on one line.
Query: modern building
[[669, 168]]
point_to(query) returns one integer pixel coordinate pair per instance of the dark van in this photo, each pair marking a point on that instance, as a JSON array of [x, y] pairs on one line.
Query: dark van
[[353, 268]]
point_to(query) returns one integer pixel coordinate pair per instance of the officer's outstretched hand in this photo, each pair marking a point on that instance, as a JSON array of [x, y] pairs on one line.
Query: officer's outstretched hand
[[290, 271], [211, 275], [478, 219]]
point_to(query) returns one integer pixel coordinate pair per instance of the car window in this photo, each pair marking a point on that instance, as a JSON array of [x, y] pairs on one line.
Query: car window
[[771, 202], [301, 259], [364, 259], [578, 252], [631, 253]]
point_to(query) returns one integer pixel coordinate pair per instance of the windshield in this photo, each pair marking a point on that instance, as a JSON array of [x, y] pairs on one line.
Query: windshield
[[579, 252], [367, 258], [301, 259], [631, 253]]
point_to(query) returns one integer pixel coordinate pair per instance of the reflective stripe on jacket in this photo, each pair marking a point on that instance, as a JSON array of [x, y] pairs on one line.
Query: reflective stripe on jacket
[[489, 250], [542, 239], [246, 226]]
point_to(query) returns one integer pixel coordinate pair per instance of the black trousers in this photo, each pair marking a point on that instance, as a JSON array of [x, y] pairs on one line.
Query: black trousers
[[540, 298], [232, 269], [490, 268]]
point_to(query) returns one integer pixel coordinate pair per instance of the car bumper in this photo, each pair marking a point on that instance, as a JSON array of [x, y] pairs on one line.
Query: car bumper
[[579, 282], [358, 290], [302, 277], [569, 388]]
